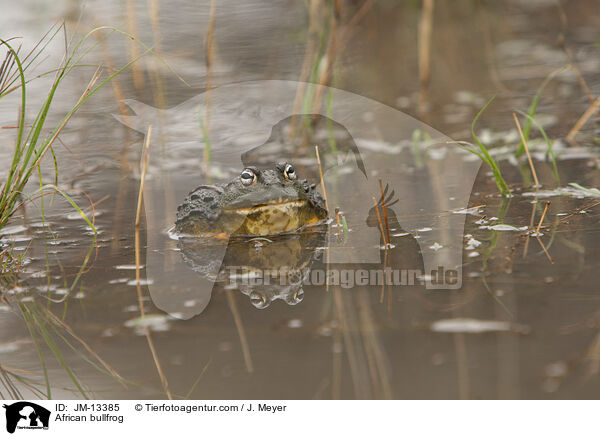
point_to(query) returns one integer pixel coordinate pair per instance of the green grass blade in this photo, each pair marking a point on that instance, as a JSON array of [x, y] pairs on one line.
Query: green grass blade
[[502, 186], [30, 326]]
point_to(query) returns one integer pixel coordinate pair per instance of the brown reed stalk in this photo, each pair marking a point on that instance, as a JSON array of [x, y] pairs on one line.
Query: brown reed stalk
[[535, 179], [590, 111], [380, 224], [539, 226], [159, 369], [321, 176], [239, 325], [134, 49], [385, 217]]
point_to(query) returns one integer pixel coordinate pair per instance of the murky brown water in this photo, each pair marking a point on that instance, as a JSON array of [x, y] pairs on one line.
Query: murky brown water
[[524, 324]]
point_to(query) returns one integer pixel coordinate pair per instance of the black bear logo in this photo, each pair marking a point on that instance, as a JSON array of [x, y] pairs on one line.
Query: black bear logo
[[33, 416]]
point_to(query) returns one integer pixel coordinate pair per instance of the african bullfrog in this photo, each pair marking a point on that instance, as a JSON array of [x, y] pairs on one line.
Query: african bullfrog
[[257, 202]]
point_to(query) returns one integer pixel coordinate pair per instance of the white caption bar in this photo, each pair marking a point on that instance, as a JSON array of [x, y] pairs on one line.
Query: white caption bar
[[299, 417]]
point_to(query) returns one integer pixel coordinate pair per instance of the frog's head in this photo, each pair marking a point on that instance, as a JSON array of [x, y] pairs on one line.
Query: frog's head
[[271, 201]]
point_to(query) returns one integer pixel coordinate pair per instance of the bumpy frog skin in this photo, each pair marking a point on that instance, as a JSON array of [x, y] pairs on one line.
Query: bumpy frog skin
[[258, 202]]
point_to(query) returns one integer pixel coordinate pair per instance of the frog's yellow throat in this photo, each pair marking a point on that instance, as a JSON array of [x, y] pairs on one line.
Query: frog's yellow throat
[[273, 218]]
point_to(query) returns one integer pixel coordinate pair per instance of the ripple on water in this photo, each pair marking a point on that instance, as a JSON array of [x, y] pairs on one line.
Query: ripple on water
[[11, 230], [154, 322]]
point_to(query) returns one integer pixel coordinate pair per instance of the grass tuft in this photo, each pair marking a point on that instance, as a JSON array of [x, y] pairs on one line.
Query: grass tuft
[[32, 146]]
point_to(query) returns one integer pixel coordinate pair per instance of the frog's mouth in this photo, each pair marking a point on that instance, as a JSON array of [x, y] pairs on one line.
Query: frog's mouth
[[289, 207], [265, 199]]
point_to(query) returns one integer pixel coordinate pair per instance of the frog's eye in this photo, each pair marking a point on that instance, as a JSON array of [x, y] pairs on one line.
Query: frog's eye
[[248, 177], [258, 300], [289, 172]]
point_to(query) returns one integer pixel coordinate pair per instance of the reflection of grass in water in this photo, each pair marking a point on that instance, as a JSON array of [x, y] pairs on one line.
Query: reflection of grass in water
[[47, 329], [49, 333], [10, 378], [419, 139], [493, 241]]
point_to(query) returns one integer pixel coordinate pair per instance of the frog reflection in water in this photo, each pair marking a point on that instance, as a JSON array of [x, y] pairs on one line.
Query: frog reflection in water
[[264, 269], [257, 203]]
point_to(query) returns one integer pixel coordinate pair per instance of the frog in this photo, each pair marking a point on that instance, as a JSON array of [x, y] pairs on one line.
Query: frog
[[258, 202]]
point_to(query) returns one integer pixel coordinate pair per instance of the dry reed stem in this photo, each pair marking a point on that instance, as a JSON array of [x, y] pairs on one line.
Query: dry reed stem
[[464, 385], [321, 176], [379, 222], [489, 48], [115, 82], [138, 212], [590, 111], [241, 331], [537, 231], [385, 217], [344, 326], [593, 356], [539, 226], [327, 208], [382, 293], [358, 16], [566, 217], [526, 247], [157, 89], [336, 366], [134, 49], [545, 250], [561, 43], [535, 178], [161, 374]]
